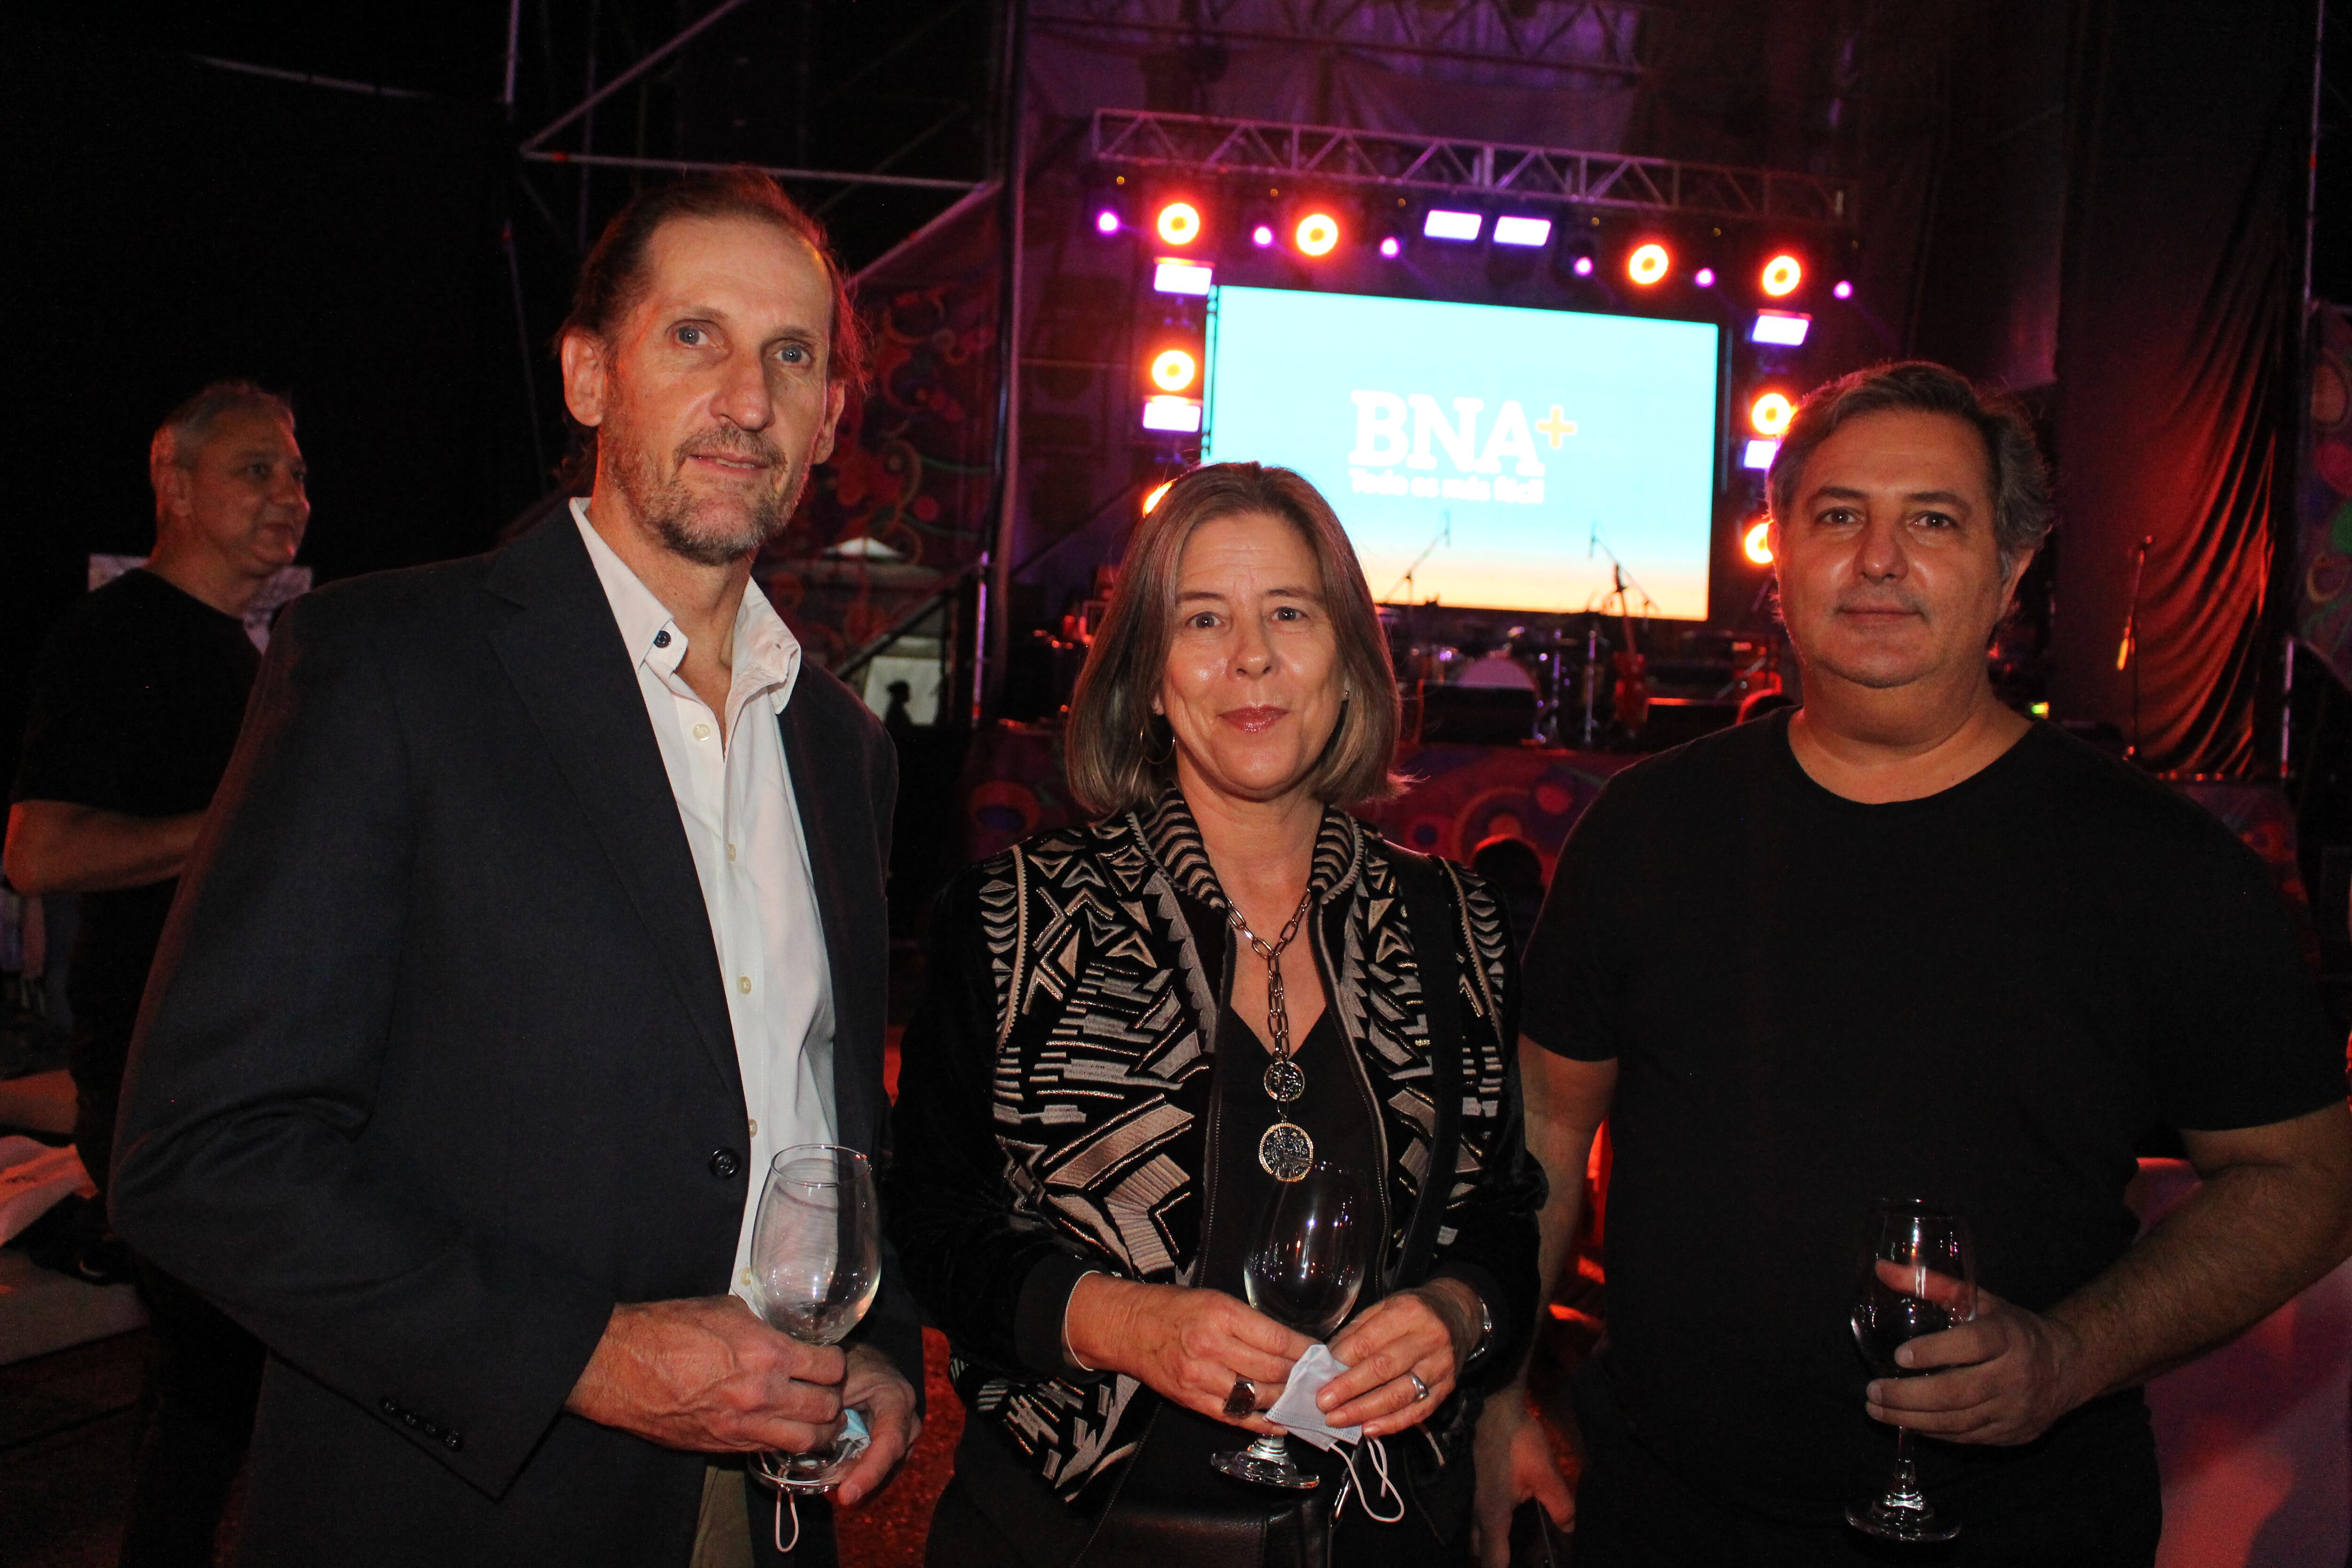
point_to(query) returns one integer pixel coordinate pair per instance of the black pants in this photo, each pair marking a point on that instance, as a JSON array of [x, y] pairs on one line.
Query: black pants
[[1632, 1511], [204, 1376]]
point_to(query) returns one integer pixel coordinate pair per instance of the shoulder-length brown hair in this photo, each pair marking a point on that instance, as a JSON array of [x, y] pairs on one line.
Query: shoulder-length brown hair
[[1114, 755]]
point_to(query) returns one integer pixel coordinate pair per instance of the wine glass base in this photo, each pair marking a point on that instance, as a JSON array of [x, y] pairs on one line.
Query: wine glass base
[[1912, 1526], [1244, 1466]]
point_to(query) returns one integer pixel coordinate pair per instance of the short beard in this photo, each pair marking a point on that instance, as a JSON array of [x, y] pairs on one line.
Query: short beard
[[683, 521]]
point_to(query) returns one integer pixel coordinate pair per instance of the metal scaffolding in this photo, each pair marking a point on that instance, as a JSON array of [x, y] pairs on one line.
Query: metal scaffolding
[[1209, 146], [1610, 36]]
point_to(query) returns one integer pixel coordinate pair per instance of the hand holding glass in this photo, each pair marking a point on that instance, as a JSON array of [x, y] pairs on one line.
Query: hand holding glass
[[817, 1263], [1919, 1277]]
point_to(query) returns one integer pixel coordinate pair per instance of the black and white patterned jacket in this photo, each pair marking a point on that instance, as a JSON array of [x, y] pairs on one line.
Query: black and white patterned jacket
[[1044, 1128]]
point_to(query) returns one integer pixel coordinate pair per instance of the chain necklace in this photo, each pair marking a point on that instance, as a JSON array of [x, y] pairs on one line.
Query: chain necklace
[[1286, 1153]]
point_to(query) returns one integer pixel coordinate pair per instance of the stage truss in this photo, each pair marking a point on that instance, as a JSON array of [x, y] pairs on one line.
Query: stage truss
[[1610, 38], [1210, 147]]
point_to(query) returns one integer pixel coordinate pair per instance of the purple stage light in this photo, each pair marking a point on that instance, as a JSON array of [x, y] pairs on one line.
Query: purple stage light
[[1704, 277], [1390, 249], [1261, 236], [1583, 267], [1105, 222], [1844, 290]]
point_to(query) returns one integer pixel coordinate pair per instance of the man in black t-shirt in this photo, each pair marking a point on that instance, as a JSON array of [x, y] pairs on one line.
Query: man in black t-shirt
[[136, 707], [1902, 943]]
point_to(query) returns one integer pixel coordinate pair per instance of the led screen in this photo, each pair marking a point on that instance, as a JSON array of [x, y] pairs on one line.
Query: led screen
[[1482, 448]]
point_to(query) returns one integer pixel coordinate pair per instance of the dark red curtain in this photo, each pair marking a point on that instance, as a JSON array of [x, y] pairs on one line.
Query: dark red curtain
[[2177, 365]]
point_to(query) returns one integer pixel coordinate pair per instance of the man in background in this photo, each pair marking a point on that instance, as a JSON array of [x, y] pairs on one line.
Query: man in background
[[136, 706]]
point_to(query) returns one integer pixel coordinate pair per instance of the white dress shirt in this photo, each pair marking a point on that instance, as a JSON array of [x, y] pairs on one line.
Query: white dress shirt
[[735, 798]]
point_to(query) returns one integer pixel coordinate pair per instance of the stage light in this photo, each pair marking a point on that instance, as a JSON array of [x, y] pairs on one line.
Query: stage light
[[1844, 290], [1583, 267], [1179, 415], [1648, 264], [1759, 453], [1756, 543], [1781, 275], [1317, 234], [1767, 415], [1179, 223], [1176, 276], [1262, 236], [1442, 224], [1390, 248], [1783, 329], [1151, 496], [1106, 222], [1522, 231], [1174, 370], [1704, 277]]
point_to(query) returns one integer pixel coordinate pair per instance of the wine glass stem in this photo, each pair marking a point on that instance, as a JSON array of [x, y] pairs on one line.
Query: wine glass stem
[[1903, 1484]]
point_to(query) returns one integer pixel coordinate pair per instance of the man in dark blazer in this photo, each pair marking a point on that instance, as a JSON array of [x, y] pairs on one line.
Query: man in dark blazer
[[539, 883]]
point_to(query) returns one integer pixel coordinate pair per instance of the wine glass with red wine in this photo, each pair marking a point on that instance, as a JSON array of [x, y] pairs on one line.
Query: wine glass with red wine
[[1895, 1301]]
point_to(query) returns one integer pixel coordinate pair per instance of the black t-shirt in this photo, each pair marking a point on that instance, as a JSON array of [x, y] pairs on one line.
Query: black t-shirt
[[1985, 998], [136, 706]]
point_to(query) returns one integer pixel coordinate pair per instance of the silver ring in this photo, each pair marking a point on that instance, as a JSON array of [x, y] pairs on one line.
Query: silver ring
[[1419, 1389], [1242, 1400]]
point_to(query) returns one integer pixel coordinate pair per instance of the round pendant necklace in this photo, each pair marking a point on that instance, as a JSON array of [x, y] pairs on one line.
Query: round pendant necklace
[[1286, 1153]]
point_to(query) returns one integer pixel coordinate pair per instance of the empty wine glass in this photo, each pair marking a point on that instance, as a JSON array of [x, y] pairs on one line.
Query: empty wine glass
[[1895, 1301], [817, 1263], [1305, 1270]]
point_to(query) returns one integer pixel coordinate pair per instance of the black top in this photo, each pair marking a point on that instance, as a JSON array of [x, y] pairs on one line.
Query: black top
[[1335, 1111], [1986, 998], [135, 709]]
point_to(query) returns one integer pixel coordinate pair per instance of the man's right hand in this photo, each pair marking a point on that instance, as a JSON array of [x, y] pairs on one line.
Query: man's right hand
[[709, 1376], [1515, 1463], [1185, 1345]]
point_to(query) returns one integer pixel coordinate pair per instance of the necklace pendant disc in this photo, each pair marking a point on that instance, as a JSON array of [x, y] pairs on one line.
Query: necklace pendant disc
[[1286, 1153], [1283, 1081]]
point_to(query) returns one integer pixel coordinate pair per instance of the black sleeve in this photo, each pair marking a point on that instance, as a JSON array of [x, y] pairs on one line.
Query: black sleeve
[[255, 1067], [2238, 1033], [82, 739], [1568, 1006], [994, 1281], [1494, 1249], [895, 1326]]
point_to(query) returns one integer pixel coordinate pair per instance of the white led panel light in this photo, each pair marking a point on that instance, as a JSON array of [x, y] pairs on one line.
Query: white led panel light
[[1182, 277], [1442, 224], [1786, 328], [1179, 415], [1522, 230]]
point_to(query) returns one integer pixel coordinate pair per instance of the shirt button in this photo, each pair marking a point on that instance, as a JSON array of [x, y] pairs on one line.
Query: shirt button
[[730, 852], [743, 983], [702, 732], [661, 640], [755, 1127]]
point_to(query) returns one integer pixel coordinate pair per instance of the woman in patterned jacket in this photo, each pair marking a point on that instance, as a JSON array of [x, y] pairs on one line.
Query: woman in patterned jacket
[[1105, 1061]]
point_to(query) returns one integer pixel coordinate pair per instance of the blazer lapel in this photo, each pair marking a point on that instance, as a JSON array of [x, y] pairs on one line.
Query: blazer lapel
[[836, 821], [564, 654]]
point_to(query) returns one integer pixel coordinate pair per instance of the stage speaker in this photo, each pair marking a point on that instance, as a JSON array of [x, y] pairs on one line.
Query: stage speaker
[[1476, 715]]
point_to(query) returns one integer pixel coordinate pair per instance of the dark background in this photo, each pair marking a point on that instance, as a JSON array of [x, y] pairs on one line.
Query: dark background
[[2090, 184]]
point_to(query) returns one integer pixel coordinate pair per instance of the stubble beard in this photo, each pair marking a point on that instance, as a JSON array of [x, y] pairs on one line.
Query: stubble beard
[[711, 531]]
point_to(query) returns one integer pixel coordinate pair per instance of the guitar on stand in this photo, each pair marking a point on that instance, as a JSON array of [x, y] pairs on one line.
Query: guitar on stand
[[1630, 698]]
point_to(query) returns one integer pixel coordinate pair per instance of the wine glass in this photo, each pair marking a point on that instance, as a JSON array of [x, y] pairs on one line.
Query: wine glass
[[1909, 1241], [1314, 1246], [817, 1263]]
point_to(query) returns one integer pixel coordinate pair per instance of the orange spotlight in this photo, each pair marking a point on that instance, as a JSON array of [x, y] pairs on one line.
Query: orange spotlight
[[1648, 264], [1317, 234], [1781, 275], [1174, 370], [1768, 414], [1757, 543], [1151, 496], [1179, 223]]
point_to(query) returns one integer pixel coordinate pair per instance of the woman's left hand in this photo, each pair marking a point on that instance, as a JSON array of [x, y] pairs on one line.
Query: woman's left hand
[[1422, 1332]]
